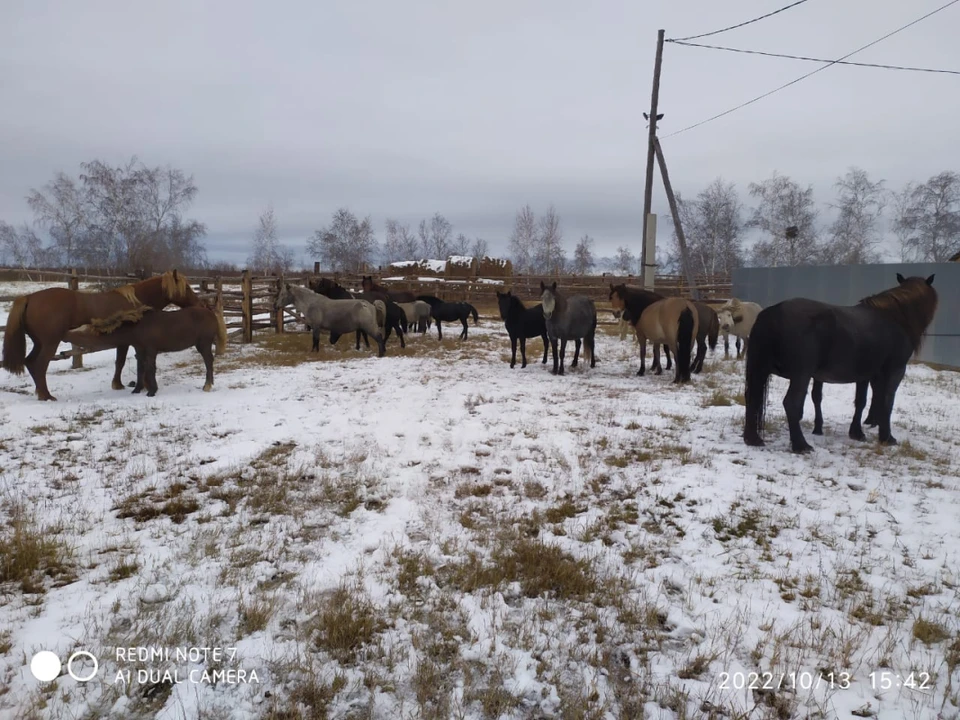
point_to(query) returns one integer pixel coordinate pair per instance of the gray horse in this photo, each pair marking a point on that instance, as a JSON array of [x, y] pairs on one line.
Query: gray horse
[[339, 317], [418, 315], [569, 318]]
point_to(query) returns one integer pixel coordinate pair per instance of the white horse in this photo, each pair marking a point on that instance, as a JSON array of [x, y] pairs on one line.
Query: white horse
[[737, 318], [337, 316], [418, 314]]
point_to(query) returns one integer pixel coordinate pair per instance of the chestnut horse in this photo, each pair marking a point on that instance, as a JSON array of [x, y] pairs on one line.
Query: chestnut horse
[[47, 315]]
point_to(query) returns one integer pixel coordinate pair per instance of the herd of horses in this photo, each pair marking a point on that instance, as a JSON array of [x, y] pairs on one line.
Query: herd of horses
[[802, 340]]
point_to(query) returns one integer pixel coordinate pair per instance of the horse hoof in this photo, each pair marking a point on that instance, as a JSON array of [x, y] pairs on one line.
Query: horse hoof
[[819, 431], [890, 441], [117, 385], [135, 392], [753, 441], [857, 436], [151, 394], [802, 449], [208, 387]]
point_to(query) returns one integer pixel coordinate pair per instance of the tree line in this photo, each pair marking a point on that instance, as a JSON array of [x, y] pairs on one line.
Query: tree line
[[134, 218]]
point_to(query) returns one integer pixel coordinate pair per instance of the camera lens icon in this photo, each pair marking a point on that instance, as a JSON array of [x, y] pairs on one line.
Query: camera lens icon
[[46, 666]]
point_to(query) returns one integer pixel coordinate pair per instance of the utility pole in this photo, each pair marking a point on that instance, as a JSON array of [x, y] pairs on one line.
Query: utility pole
[[651, 137], [675, 211]]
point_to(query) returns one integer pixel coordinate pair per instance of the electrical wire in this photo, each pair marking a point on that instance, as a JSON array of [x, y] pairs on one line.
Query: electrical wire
[[739, 25], [812, 72], [819, 60]]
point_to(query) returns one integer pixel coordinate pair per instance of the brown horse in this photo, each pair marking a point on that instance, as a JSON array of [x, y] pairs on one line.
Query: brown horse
[[47, 315], [631, 301], [397, 296], [709, 330], [673, 322], [155, 331]]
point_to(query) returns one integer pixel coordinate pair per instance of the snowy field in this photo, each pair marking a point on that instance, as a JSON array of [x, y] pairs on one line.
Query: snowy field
[[435, 535]]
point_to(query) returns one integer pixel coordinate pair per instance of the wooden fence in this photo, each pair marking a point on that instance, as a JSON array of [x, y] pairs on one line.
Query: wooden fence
[[247, 300]]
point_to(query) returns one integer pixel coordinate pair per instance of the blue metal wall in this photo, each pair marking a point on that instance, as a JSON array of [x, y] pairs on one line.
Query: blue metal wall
[[847, 284]]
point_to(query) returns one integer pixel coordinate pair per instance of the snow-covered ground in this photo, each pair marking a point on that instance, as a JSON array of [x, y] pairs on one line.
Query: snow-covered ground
[[433, 534]]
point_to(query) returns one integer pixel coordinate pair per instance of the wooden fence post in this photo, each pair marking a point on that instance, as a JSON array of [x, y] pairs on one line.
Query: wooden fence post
[[280, 311], [246, 303], [74, 284], [218, 284]]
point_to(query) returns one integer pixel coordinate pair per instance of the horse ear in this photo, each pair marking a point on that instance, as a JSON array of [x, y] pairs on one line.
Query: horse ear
[[930, 280], [542, 286], [611, 287], [900, 278], [553, 286]]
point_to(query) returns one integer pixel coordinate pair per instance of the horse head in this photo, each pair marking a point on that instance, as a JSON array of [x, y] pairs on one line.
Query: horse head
[[548, 298], [618, 294], [284, 297]]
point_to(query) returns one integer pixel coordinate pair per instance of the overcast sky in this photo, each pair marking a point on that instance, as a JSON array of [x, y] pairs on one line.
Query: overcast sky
[[402, 109]]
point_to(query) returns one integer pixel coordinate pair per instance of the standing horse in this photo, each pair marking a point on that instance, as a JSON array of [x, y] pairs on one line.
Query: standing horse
[[155, 331], [737, 318], [868, 344], [450, 312], [673, 322], [392, 319], [569, 318], [709, 331], [397, 296], [631, 302], [417, 314], [47, 315], [522, 323], [337, 316]]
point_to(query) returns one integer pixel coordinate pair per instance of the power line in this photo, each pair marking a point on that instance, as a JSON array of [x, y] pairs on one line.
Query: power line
[[738, 25], [819, 60], [812, 72]]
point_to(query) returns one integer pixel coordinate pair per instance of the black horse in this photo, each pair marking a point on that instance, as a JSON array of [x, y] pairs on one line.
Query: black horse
[[450, 312], [396, 318], [522, 323], [868, 344]]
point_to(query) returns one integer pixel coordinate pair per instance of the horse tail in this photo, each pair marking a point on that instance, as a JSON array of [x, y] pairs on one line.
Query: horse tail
[[760, 359], [381, 314], [473, 310], [713, 331], [684, 342], [15, 338], [221, 342]]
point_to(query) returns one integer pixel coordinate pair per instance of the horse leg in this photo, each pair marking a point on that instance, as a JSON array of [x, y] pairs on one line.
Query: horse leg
[[150, 374], [546, 344], [37, 362], [563, 351], [873, 414], [207, 354], [381, 345], [744, 346], [513, 352], [701, 354], [316, 340], [336, 336], [657, 369], [793, 405], [889, 392], [400, 334], [666, 351], [859, 401], [439, 331], [463, 335], [141, 372], [643, 353], [726, 345], [117, 383], [817, 395], [556, 357], [576, 352], [523, 351]]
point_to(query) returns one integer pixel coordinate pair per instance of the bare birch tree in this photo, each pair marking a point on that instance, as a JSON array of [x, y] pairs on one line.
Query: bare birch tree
[[784, 204], [713, 225], [583, 260], [624, 261], [928, 220], [855, 233], [269, 256], [346, 245], [549, 256], [523, 240], [480, 249]]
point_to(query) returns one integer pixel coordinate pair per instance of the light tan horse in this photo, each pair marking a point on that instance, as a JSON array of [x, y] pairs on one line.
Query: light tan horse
[[737, 318], [672, 322]]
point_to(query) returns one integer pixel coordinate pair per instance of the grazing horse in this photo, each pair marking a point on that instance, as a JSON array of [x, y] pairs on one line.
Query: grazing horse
[[393, 319], [631, 302], [522, 323], [737, 318], [337, 316], [450, 312], [47, 315], [868, 344], [673, 322], [569, 318], [397, 296], [417, 314], [709, 331], [151, 332]]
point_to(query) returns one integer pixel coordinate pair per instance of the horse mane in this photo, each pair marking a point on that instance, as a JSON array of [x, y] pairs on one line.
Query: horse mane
[[635, 300], [104, 326], [128, 293], [911, 304], [514, 301], [173, 284]]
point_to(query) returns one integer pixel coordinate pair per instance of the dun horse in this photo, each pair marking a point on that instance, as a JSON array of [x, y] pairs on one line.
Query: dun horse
[[522, 323], [672, 321], [868, 344], [569, 318], [736, 318], [154, 331], [631, 302], [336, 316], [47, 315]]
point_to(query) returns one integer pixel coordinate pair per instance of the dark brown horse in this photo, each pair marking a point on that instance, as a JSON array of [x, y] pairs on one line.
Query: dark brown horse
[[397, 296], [47, 315], [153, 331]]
